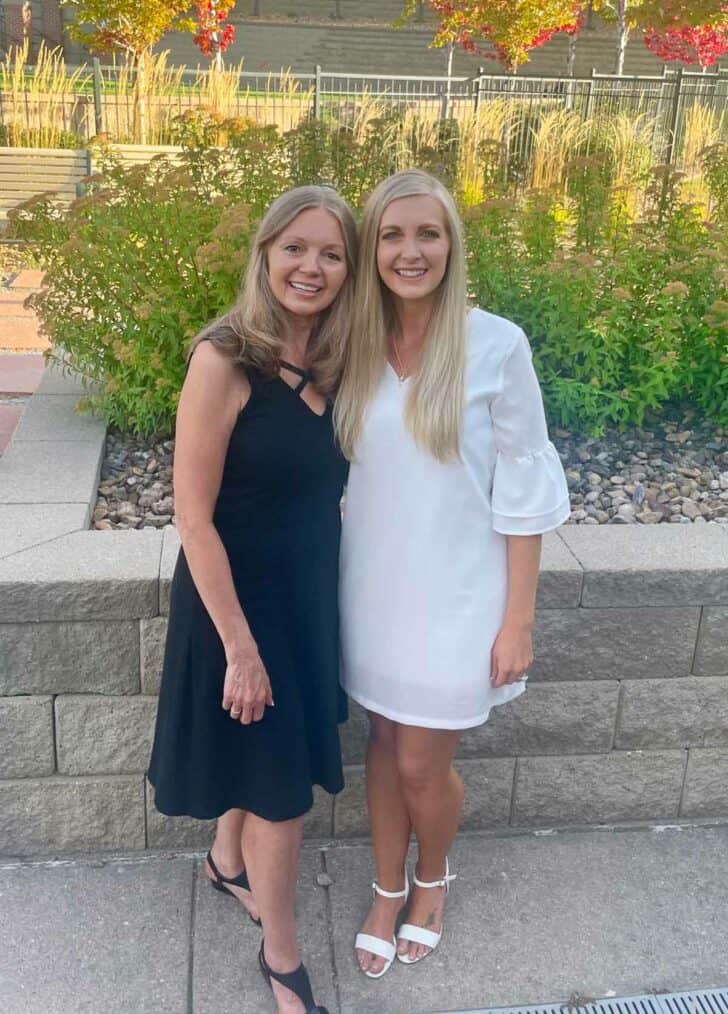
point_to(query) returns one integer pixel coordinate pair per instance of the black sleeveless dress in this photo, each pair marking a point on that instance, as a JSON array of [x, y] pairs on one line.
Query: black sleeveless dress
[[278, 516]]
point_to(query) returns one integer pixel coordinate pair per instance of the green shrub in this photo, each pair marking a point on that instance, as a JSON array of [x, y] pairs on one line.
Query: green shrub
[[135, 268], [627, 310], [622, 317]]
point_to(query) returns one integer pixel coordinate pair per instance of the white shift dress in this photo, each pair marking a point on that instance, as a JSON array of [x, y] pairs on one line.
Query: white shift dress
[[423, 555]]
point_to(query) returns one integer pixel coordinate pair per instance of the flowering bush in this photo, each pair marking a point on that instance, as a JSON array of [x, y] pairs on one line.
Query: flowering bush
[[627, 312], [133, 271], [623, 316]]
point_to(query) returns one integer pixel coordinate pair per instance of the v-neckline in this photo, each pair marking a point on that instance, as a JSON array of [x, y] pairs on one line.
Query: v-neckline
[[297, 396], [401, 381]]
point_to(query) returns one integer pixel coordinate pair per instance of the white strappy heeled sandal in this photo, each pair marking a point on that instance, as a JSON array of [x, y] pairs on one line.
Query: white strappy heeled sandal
[[375, 945], [418, 934]]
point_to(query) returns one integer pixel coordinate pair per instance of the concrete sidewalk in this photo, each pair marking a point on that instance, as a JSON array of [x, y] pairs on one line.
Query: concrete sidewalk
[[532, 918]]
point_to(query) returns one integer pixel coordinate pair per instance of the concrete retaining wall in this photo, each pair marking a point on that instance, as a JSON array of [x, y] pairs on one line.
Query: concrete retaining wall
[[625, 718]]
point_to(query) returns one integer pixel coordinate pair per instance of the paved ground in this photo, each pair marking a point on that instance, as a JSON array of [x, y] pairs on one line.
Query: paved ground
[[544, 917], [21, 348]]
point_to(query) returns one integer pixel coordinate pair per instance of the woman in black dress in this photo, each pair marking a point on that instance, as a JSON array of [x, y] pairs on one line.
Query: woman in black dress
[[250, 698]]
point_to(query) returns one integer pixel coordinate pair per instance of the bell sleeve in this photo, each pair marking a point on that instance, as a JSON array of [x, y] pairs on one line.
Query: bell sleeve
[[529, 493]]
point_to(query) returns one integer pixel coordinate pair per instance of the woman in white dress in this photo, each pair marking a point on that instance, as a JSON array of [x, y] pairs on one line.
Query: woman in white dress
[[452, 482]]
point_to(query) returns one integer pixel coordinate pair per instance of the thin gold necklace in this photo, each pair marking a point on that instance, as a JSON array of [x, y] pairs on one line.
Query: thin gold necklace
[[401, 372]]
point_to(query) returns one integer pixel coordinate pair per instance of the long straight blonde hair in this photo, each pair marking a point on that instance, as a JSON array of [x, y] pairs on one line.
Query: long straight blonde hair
[[434, 408], [250, 332]]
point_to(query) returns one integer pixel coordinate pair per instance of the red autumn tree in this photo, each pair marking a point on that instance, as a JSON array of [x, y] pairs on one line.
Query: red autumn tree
[[656, 16], [505, 30], [212, 35], [703, 44]]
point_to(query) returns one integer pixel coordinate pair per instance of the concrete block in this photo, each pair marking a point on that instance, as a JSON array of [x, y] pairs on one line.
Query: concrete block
[[658, 565], [86, 938], [25, 525], [354, 735], [656, 714], [488, 787], [586, 644], [711, 656], [83, 576], [44, 472], [170, 550], [319, 821], [48, 816], [53, 418], [165, 832], [104, 735], [26, 734], [152, 637], [561, 576], [57, 380], [488, 792], [77, 657], [706, 784], [598, 789], [556, 718]]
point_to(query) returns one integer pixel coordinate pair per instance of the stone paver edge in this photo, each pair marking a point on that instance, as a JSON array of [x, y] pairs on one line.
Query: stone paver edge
[[580, 566]]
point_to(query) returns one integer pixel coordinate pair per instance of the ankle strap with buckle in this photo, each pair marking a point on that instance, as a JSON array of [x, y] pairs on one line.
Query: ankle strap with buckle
[[445, 882]]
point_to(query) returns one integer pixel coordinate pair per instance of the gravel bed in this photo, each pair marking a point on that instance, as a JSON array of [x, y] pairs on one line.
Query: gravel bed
[[676, 472]]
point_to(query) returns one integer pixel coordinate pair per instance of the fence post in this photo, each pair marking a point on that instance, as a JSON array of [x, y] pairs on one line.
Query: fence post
[[590, 94], [98, 107], [478, 88], [317, 93], [674, 115]]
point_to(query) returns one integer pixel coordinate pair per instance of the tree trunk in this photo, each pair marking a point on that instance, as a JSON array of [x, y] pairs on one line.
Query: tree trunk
[[622, 33], [571, 57]]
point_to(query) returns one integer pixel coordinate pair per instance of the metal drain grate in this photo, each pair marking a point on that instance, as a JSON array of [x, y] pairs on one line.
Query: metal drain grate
[[702, 1001]]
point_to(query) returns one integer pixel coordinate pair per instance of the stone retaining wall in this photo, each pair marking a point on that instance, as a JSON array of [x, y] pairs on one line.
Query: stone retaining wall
[[625, 718]]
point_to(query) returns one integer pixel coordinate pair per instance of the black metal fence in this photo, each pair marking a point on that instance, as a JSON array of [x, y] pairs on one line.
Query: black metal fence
[[104, 100]]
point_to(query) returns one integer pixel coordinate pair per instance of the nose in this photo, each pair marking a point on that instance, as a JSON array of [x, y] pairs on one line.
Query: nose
[[410, 248], [310, 263]]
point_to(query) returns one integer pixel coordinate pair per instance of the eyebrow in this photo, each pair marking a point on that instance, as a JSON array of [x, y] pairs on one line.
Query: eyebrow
[[424, 225], [300, 239]]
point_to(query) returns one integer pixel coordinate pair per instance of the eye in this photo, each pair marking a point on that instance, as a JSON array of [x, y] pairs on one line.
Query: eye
[[333, 256], [390, 234], [291, 248], [431, 233]]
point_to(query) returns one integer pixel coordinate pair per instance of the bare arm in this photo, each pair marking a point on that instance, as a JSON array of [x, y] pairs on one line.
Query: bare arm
[[212, 396], [513, 647]]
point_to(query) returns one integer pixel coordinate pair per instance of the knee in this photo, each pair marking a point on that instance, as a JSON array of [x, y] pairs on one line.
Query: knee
[[415, 777]]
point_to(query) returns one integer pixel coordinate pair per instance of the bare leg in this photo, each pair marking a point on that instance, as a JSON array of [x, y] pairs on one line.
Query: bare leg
[[434, 794], [271, 849], [227, 854], [390, 824]]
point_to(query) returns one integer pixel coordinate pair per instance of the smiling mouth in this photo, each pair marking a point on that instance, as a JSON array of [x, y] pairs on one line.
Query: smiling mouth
[[309, 290], [410, 272]]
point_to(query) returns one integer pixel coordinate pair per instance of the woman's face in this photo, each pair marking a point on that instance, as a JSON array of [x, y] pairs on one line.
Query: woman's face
[[307, 263], [413, 247]]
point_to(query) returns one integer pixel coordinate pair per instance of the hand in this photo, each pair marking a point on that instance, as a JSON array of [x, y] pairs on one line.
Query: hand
[[247, 688], [511, 656]]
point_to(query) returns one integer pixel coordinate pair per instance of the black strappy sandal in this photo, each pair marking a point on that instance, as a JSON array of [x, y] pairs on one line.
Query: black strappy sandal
[[240, 881], [297, 981]]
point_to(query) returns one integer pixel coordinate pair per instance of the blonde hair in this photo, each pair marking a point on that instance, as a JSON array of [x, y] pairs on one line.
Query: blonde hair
[[250, 332], [434, 408]]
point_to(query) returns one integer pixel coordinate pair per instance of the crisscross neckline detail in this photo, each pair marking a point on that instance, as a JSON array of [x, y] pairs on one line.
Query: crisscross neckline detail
[[306, 377]]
